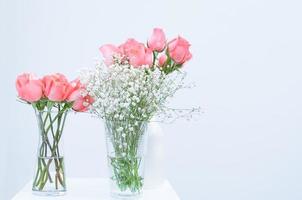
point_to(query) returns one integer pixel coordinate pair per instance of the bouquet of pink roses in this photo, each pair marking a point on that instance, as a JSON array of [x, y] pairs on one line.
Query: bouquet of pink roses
[[51, 97], [168, 56]]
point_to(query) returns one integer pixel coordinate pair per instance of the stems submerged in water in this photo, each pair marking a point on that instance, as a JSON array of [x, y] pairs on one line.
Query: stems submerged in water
[[50, 168], [125, 153]]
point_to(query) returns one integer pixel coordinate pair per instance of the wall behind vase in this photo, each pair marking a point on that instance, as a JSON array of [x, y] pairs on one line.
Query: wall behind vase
[[246, 66]]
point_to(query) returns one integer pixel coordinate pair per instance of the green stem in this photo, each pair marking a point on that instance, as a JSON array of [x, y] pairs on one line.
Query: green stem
[[43, 173], [125, 162]]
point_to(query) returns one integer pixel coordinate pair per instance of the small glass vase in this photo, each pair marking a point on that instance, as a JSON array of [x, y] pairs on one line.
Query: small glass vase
[[126, 146], [49, 179]]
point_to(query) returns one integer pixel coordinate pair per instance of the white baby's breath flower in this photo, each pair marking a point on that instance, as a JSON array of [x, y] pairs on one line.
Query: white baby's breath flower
[[120, 129], [124, 92]]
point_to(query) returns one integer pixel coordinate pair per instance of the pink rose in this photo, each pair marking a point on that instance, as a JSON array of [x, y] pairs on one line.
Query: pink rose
[[109, 51], [56, 87], [29, 87], [148, 57], [157, 41], [136, 53], [75, 90], [178, 49], [82, 103], [162, 60]]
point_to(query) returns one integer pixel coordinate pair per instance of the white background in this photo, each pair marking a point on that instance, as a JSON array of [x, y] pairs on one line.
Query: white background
[[247, 59]]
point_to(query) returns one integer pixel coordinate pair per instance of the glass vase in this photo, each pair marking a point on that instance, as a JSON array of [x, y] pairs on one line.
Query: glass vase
[[126, 145], [49, 179]]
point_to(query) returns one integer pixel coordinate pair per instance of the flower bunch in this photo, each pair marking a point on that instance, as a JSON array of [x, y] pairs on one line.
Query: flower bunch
[[52, 90], [137, 79], [168, 56]]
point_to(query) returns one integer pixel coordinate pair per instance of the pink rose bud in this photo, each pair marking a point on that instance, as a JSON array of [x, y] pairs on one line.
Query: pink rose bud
[[29, 88], [109, 51], [56, 87], [157, 41], [162, 60], [178, 49], [82, 103]]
